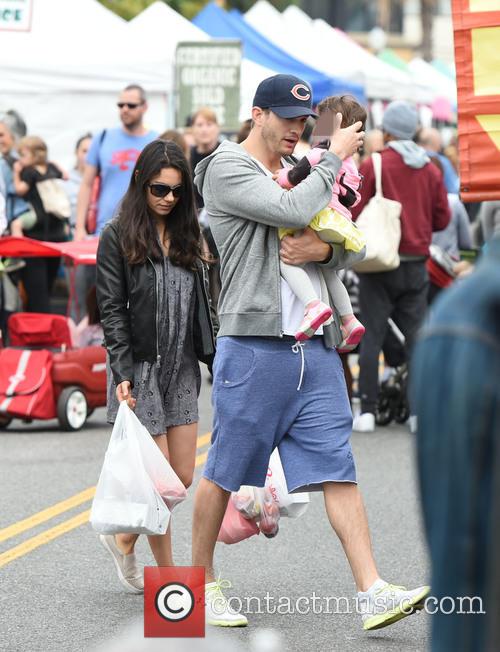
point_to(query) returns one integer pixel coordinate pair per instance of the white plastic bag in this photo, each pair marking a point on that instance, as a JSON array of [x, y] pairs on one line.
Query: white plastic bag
[[135, 482], [257, 504], [291, 505]]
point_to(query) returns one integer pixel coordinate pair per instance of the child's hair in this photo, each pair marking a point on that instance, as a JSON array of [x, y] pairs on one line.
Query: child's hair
[[37, 147], [351, 109]]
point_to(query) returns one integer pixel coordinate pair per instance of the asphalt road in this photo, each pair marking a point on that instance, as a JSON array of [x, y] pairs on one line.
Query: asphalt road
[[59, 591]]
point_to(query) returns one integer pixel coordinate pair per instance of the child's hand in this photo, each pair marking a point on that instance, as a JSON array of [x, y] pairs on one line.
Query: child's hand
[[17, 167]]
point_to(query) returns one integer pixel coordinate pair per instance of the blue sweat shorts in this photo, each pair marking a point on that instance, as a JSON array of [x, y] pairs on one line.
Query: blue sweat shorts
[[268, 393]]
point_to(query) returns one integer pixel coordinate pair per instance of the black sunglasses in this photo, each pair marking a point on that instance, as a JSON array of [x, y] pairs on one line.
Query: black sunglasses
[[129, 105], [162, 190]]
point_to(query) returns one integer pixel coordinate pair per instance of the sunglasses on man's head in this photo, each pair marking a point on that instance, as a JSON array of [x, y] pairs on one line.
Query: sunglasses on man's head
[[129, 105], [162, 190]]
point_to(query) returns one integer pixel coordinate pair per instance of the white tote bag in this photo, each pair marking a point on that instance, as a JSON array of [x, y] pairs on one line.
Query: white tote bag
[[291, 505], [126, 498], [381, 225], [54, 198]]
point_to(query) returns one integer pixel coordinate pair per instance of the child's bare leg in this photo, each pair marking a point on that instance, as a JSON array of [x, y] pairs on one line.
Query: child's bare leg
[[16, 228]]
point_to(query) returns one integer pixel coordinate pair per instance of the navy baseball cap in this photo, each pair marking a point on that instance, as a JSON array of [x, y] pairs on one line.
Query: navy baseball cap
[[286, 95]]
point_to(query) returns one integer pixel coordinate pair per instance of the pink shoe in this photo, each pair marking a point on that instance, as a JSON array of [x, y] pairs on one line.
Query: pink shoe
[[353, 332], [317, 313]]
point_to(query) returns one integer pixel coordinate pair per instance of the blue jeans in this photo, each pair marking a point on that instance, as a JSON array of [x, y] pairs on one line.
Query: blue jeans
[[456, 394]]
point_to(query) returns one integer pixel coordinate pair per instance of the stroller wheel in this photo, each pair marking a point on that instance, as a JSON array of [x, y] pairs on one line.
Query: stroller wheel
[[402, 414], [4, 421], [72, 410], [383, 412]]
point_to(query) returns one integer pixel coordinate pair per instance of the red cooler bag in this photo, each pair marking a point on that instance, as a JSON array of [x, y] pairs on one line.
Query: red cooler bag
[[26, 384]]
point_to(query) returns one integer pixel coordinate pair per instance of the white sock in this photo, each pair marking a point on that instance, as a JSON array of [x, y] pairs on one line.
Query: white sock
[[378, 584]]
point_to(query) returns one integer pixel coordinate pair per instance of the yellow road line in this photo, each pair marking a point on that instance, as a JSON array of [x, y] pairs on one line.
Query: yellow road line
[[46, 514], [65, 505], [204, 439], [200, 459], [57, 531], [43, 538]]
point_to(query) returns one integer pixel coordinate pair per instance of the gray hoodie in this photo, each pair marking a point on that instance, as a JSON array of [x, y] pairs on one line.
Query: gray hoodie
[[245, 207]]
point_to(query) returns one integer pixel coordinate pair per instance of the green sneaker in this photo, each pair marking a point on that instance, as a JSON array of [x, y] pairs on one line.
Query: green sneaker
[[218, 611], [385, 604]]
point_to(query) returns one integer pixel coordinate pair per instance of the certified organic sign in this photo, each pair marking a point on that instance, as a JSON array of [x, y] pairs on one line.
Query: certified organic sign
[[15, 15], [208, 74]]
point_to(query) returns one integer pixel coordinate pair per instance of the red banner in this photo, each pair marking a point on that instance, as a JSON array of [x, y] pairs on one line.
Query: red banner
[[476, 25]]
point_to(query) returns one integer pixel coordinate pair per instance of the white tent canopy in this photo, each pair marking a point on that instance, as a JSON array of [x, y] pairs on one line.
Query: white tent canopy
[[319, 45], [158, 29], [442, 85], [64, 75]]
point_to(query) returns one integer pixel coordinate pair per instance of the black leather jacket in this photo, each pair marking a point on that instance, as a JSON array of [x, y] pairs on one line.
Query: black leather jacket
[[127, 300]]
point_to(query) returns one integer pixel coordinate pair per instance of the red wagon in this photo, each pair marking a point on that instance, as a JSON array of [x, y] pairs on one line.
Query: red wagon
[[41, 375]]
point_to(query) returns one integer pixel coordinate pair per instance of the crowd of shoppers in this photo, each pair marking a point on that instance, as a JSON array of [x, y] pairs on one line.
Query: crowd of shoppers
[[134, 191]]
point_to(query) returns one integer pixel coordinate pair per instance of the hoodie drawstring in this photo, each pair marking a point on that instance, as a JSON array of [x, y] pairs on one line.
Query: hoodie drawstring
[[299, 346]]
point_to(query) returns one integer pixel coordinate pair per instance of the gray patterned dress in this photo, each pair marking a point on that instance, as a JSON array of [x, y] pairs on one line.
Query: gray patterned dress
[[167, 395]]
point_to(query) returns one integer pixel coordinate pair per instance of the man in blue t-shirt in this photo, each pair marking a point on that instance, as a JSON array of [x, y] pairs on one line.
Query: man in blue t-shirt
[[112, 156]]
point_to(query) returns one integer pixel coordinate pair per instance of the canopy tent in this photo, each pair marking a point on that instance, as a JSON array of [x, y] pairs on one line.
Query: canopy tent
[[268, 21], [149, 28], [340, 54], [64, 75], [444, 105], [221, 24], [442, 85], [448, 70], [157, 30], [79, 253], [390, 57], [333, 51]]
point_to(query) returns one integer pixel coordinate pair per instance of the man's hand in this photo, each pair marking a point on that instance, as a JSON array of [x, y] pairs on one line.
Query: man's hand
[[345, 142], [123, 393], [304, 248]]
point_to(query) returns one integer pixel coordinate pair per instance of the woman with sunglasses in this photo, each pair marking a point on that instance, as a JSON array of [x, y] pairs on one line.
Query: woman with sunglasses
[[155, 313]]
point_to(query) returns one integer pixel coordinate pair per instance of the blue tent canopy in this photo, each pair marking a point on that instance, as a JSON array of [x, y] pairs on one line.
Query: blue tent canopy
[[222, 24]]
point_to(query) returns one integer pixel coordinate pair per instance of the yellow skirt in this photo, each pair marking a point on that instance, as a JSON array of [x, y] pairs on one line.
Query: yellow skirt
[[333, 227]]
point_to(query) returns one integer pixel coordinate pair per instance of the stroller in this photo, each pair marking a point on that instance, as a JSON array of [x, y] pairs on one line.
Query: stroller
[[42, 376], [392, 403]]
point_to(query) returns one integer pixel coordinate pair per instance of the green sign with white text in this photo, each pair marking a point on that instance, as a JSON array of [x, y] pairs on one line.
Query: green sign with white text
[[207, 73]]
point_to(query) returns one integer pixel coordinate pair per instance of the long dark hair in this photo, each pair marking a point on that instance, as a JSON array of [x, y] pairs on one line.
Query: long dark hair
[[137, 227]]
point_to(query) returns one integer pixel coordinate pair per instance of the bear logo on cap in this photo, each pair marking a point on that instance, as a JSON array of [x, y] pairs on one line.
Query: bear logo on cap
[[301, 87]]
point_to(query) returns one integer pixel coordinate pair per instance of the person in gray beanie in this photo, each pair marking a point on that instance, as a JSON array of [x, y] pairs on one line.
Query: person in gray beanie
[[409, 178]]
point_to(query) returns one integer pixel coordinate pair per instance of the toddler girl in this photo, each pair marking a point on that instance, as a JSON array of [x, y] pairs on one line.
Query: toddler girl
[[333, 224]]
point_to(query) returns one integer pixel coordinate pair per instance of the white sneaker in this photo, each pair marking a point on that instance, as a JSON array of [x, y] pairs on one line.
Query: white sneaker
[[126, 567], [218, 611], [364, 422], [384, 604]]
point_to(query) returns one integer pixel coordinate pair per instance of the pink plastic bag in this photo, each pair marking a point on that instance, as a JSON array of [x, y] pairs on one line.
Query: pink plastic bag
[[235, 527]]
